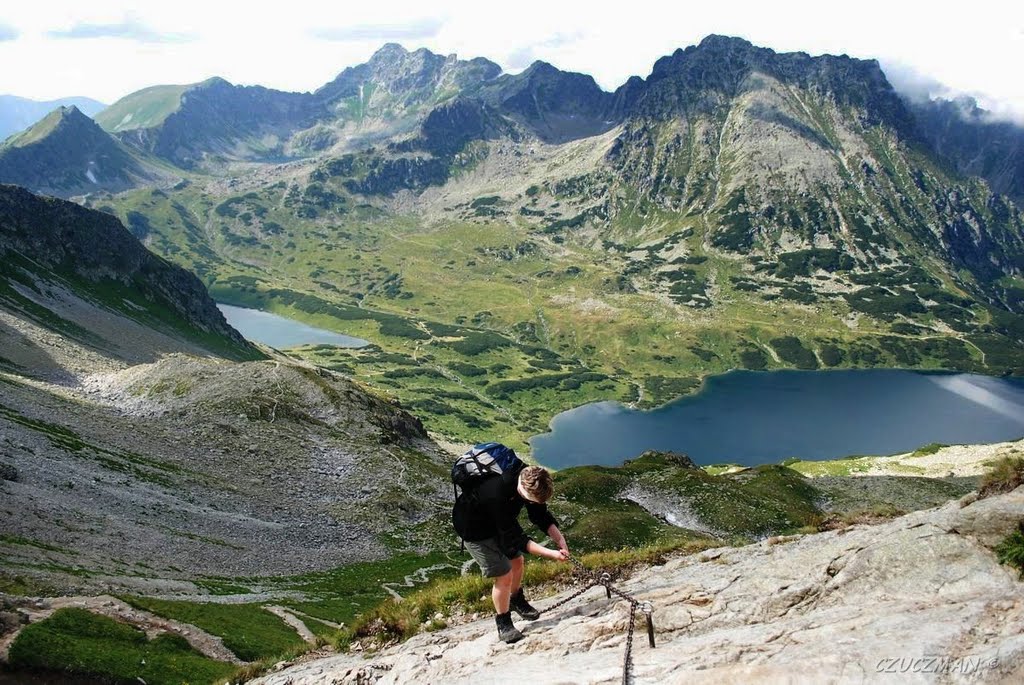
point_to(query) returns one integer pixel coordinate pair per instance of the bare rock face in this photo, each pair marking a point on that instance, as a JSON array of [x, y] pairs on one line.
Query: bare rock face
[[918, 599]]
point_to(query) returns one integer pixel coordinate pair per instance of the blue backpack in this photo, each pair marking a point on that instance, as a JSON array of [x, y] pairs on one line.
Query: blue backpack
[[482, 461]]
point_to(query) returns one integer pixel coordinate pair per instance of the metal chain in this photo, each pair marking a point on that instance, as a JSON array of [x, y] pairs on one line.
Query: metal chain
[[627, 660], [605, 579], [568, 599]]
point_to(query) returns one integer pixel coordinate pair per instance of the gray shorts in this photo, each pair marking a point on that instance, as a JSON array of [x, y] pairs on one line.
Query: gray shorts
[[488, 556]]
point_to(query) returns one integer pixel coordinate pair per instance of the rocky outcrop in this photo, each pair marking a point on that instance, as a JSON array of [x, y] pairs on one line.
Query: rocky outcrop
[[18, 114], [919, 599], [404, 79], [203, 467]]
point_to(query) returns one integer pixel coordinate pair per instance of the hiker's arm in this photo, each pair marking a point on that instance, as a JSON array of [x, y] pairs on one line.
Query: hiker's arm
[[542, 551], [540, 516], [557, 537]]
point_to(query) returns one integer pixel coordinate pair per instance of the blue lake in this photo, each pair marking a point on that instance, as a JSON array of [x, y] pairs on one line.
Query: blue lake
[[278, 331], [756, 417]]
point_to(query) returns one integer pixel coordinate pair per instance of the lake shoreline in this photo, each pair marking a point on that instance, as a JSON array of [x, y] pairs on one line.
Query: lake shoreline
[[281, 332], [1005, 396]]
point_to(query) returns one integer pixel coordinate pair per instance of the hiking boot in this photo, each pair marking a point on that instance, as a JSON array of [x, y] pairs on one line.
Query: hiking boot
[[519, 605], [506, 631]]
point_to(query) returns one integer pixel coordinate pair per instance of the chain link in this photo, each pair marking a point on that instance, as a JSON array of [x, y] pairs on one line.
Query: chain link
[[604, 579], [627, 660]]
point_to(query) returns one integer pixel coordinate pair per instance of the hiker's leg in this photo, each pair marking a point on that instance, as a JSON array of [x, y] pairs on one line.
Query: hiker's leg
[[517, 574], [502, 592]]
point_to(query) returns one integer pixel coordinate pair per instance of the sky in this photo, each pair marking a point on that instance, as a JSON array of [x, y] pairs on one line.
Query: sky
[[105, 49]]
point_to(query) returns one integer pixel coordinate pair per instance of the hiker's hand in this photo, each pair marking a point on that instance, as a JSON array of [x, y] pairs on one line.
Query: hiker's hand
[[558, 555]]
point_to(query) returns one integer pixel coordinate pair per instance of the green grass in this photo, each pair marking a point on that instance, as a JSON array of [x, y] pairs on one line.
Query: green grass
[[79, 642], [130, 463], [25, 542], [755, 502], [142, 109], [37, 131], [249, 631], [341, 594], [930, 448], [1004, 475], [471, 593], [1011, 549]]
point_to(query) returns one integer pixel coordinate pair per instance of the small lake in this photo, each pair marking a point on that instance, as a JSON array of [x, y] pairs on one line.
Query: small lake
[[757, 417], [280, 332]]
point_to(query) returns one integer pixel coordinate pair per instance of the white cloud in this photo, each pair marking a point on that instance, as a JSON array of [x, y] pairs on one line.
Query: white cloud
[[130, 28], [415, 30], [976, 51]]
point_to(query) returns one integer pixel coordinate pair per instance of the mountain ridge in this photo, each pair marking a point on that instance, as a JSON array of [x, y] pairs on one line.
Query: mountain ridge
[[57, 253], [66, 154], [18, 113]]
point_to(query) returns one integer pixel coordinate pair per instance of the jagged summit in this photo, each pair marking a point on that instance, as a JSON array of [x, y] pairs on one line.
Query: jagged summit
[[723, 63], [18, 113], [67, 117]]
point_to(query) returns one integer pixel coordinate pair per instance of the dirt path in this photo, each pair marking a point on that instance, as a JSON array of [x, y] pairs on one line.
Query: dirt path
[[294, 621]]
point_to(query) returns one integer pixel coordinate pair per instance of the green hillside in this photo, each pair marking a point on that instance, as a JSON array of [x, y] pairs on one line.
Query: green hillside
[[142, 109]]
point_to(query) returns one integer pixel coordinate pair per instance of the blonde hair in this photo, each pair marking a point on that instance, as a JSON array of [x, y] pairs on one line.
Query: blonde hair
[[537, 483]]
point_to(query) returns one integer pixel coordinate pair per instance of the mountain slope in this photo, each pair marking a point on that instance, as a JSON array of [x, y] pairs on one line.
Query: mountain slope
[[775, 152], [67, 154], [208, 121], [922, 589], [737, 208], [79, 274], [17, 114], [975, 142]]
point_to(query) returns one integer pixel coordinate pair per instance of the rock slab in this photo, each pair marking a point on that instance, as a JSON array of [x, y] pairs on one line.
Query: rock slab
[[920, 599]]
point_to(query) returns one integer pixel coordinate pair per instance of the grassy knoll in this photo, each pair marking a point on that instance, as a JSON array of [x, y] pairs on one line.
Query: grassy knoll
[[77, 641], [248, 630]]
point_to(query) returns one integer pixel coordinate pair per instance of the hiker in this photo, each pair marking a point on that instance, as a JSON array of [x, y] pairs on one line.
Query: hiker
[[486, 517]]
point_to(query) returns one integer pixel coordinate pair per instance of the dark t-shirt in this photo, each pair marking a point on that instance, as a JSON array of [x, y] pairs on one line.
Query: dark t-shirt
[[491, 510]]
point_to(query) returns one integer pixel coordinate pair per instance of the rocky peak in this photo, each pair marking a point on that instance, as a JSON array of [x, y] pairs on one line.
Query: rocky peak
[[976, 142], [61, 120], [66, 153], [721, 64], [389, 52], [558, 105], [412, 77]]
